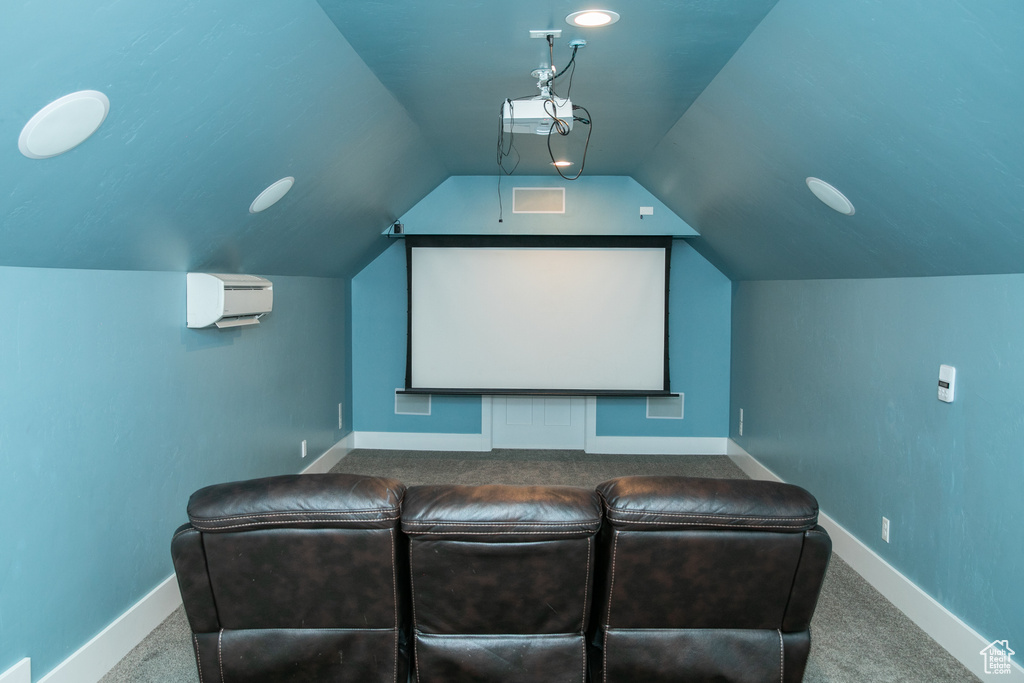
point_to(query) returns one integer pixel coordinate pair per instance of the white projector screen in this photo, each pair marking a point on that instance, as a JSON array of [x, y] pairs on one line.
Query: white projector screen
[[538, 315]]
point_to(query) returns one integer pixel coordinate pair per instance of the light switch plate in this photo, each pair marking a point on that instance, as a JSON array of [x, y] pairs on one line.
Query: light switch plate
[[947, 383]]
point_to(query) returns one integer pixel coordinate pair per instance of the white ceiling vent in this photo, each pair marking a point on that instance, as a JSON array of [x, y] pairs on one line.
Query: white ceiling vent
[[538, 200]]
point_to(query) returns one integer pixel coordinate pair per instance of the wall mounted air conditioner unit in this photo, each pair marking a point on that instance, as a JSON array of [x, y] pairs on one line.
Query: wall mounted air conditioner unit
[[226, 300]]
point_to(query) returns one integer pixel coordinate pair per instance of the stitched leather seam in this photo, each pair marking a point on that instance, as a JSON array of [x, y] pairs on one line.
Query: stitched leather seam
[[583, 678], [282, 522], [220, 653], [782, 659], [412, 522], [586, 587], [732, 526], [394, 597], [704, 514], [228, 518], [185, 531], [415, 627], [496, 533], [199, 662], [608, 613]]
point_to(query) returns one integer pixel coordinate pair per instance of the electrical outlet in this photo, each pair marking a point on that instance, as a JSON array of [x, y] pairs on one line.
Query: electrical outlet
[[303, 448], [741, 421], [885, 529], [341, 421]]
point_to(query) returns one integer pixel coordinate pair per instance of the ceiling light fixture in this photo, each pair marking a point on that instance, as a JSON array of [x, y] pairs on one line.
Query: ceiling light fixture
[[830, 196], [272, 195], [63, 124], [592, 18], [561, 163]]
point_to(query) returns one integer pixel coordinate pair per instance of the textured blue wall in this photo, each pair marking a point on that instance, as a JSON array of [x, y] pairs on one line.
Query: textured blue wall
[[379, 323], [838, 379], [114, 412], [699, 335], [699, 339]]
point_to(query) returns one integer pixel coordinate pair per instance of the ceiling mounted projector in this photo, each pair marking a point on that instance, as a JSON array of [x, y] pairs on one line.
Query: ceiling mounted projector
[[535, 115]]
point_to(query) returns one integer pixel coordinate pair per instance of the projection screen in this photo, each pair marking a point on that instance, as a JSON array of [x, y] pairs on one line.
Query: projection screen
[[538, 315]]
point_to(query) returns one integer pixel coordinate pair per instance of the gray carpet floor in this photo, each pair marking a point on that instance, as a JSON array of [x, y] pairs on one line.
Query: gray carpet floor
[[857, 635]]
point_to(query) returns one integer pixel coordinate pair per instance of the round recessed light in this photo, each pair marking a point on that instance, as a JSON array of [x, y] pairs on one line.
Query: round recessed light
[[63, 124], [271, 195], [561, 163], [831, 196], [591, 18]]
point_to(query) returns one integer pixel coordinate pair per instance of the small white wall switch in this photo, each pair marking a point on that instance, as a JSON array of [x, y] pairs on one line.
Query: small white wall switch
[[303, 448], [885, 529], [947, 382], [646, 211]]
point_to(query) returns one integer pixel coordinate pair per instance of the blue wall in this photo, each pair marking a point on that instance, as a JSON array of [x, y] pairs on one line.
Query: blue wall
[[838, 379], [594, 205], [699, 337], [379, 323], [114, 412], [699, 353]]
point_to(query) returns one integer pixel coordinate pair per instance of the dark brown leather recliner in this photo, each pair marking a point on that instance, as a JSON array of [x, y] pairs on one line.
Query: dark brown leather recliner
[[501, 581], [296, 578], [706, 580]]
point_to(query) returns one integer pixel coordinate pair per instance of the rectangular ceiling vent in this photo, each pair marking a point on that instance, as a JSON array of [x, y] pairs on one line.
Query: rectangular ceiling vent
[[538, 200]]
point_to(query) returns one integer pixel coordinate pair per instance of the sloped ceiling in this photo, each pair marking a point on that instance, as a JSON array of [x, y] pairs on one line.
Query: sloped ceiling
[[721, 109], [211, 102], [912, 109], [452, 63]]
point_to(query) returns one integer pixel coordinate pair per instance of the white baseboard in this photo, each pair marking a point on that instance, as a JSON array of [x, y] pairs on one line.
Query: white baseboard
[[627, 445], [657, 445], [430, 441], [422, 441], [648, 445], [332, 456], [19, 673], [94, 659], [98, 656], [948, 630]]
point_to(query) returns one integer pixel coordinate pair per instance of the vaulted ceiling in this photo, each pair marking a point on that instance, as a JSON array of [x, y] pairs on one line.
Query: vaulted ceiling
[[721, 109]]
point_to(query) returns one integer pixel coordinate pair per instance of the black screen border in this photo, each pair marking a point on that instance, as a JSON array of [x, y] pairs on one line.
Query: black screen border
[[535, 241]]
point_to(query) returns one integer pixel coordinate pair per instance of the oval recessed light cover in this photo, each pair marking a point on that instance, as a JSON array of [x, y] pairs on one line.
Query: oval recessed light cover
[[63, 124], [271, 195], [590, 18], [561, 163], [831, 196]]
